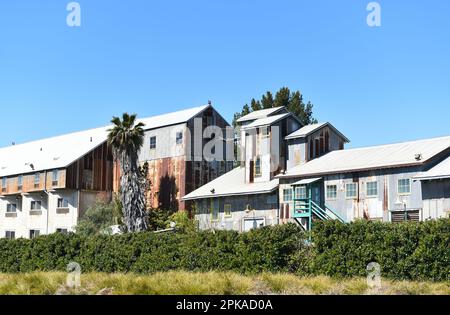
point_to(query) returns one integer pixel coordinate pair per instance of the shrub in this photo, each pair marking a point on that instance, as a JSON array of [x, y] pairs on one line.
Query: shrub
[[407, 250], [416, 251]]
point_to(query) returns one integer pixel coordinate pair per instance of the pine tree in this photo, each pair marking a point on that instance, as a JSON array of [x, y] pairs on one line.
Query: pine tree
[[292, 101]]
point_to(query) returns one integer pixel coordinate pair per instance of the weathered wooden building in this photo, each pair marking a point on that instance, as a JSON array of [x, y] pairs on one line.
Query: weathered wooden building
[[175, 166], [315, 178], [47, 185]]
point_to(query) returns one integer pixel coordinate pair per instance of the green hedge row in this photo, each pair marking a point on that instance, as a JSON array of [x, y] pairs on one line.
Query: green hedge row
[[410, 251], [404, 251]]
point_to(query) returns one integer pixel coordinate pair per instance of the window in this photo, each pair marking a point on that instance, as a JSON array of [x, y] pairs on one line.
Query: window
[[20, 182], [34, 233], [63, 203], [179, 138], [300, 192], [214, 210], [287, 195], [62, 231], [37, 179], [36, 205], [152, 143], [258, 167], [331, 191], [351, 190], [11, 208], [4, 183], [404, 186], [227, 210], [10, 235], [372, 189], [55, 178], [265, 132]]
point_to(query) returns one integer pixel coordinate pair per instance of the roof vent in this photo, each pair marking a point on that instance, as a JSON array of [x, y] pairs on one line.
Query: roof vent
[[213, 191], [91, 139], [13, 143], [418, 157], [209, 102]]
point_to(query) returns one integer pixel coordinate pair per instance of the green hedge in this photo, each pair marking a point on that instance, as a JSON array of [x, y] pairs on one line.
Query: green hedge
[[415, 251], [404, 251]]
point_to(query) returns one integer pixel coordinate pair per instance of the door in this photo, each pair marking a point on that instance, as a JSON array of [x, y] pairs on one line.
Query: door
[[250, 224], [316, 194]]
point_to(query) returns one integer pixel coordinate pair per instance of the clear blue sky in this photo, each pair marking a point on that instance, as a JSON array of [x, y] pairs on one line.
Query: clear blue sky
[[377, 85]]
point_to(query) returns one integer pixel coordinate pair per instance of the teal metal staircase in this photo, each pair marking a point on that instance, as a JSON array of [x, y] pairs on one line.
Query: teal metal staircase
[[306, 212]]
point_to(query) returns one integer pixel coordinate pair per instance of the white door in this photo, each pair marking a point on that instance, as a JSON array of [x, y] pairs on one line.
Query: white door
[[250, 224]]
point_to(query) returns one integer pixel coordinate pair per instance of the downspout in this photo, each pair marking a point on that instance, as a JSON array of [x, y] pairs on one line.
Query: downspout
[[48, 203]]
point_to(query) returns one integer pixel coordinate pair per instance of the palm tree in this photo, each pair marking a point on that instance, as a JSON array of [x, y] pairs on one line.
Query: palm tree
[[126, 138]]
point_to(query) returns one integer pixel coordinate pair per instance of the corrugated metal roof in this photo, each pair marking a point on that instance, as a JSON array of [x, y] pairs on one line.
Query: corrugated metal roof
[[61, 151], [266, 121], [305, 131], [232, 184], [440, 171], [309, 129], [172, 118], [384, 156], [260, 114], [51, 153]]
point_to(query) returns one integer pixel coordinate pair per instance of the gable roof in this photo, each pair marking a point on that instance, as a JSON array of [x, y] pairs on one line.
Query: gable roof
[[376, 157], [50, 153], [232, 184], [440, 171], [309, 129], [173, 118], [267, 121], [61, 151], [260, 114]]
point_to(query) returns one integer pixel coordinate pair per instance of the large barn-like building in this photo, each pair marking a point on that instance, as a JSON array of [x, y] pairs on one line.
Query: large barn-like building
[[47, 185], [316, 178]]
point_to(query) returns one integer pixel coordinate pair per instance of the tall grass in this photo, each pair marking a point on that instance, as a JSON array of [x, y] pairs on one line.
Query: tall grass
[[215, 283]]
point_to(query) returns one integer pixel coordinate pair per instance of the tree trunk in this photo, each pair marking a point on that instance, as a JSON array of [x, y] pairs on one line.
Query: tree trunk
[[132, 194]]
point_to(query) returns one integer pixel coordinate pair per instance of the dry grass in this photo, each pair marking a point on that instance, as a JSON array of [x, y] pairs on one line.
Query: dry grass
[[215, 283]]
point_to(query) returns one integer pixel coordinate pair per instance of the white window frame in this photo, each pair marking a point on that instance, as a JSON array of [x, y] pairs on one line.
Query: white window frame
[[55, 177], [346, 191], [10, 231], [65, 203], [36, 203], [290, 194], [367, 189], [153, 145], [19, 182], [258, 174], [327, 192], [398, 187], [297, 192], [35, 230], [37, 179], [11, 206]]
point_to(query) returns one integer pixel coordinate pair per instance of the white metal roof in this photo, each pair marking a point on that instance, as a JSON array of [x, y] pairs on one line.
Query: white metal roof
[[384, 156], [260, 114], [172, 118], [231, 184], [440, 171], [50, 153], [309, 129], [61, 151], [267, 121], [306, 181]]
